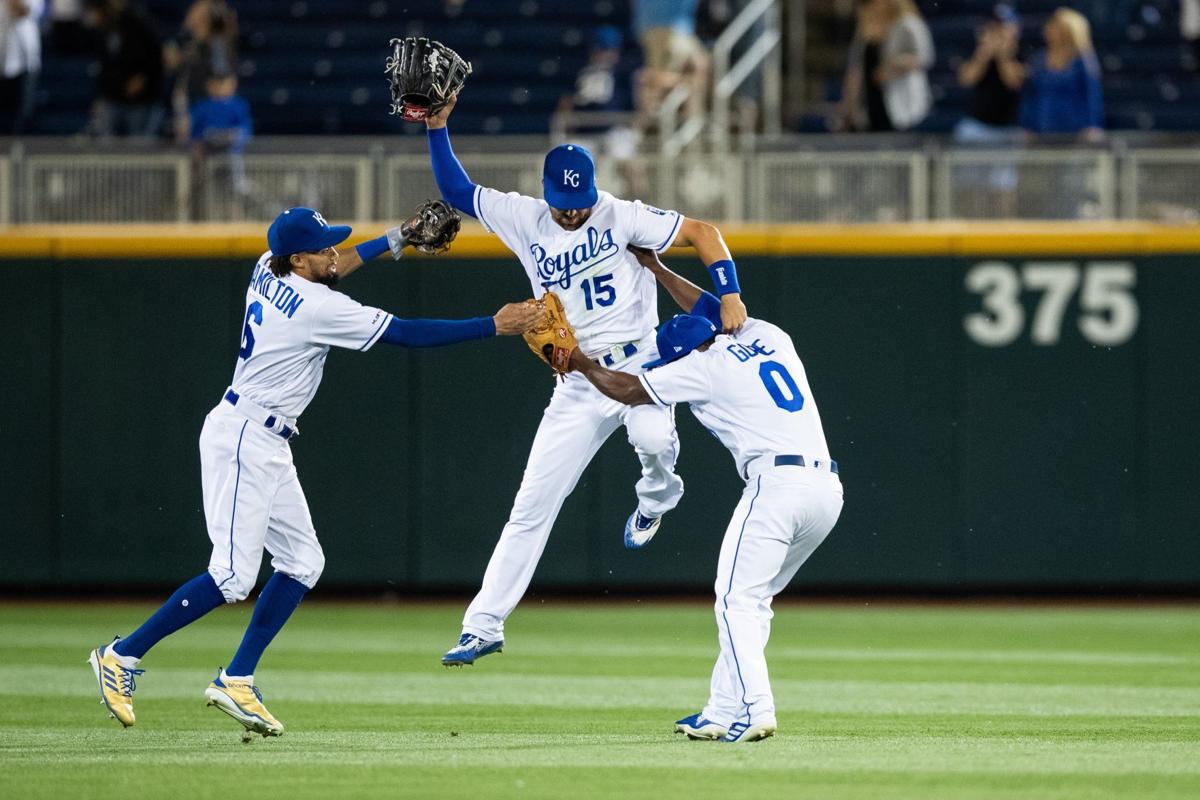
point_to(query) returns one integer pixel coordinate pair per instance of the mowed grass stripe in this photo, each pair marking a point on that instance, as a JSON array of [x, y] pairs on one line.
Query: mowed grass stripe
[[840, 753], [480, 687]]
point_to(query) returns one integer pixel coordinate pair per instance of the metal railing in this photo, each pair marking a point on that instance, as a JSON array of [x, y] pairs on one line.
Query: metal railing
[[1162, 185], [371, 179], [762, 55], [1025, 184]]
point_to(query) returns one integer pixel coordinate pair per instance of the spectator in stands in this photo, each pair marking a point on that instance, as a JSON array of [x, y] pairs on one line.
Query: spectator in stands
[[996, 74], [886, 87], [1062, 88], [131, 69], [221, 122], [221, 126], [598, 89], [20, 61], [207, 46], [666, 30]]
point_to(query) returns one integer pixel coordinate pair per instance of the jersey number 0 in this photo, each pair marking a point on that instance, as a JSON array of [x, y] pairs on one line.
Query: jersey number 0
[[781, 386]]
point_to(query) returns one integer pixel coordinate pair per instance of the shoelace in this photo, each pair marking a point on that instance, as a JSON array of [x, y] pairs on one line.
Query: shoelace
[[125, 680]]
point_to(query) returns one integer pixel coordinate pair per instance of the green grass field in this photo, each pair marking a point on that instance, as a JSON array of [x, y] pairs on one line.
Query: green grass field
[[874, 702]]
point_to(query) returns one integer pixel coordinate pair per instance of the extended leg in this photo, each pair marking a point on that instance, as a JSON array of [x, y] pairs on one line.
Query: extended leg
[[572, 430]]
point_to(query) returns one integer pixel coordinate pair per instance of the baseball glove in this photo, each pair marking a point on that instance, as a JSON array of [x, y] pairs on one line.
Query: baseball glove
[[431, 228], [423, 75], [553, 339]]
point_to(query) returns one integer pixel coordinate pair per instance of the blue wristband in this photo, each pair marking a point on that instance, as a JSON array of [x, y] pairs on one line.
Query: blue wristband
[[371, 248], [724, 277]]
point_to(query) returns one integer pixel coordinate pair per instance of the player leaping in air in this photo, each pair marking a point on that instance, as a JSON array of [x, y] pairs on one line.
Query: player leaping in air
[[574, 242], [750, 389], [252, 498]]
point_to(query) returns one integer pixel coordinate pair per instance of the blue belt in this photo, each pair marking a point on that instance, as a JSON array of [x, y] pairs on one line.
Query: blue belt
[[287, 432], [607, 359]]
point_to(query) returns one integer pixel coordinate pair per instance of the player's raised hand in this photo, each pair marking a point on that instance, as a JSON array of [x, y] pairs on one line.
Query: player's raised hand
[[518, 317], [733, 312], [438, 120]]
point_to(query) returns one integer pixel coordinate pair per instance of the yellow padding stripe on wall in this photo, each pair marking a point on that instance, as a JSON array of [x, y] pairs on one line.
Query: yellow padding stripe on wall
[[915, 239]]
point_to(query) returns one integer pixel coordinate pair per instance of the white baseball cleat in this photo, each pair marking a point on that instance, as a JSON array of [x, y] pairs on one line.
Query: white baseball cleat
[[699, 727], [749, 732]]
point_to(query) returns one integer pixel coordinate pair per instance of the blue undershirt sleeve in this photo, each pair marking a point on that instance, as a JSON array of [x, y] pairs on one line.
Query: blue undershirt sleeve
[[452, 179], [709, 307], [371, 248], [437, 332]]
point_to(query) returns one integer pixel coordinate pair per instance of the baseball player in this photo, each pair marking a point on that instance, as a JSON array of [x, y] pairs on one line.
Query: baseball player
[[751, 391], [252, 498], [573, 242]]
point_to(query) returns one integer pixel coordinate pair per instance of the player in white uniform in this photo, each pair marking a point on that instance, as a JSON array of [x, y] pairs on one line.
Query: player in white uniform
[[252, 498], [574, 243], [751, 391]]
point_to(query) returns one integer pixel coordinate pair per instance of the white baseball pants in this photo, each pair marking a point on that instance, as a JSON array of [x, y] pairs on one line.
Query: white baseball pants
[[252, 500], [784, 514], [578, 420]]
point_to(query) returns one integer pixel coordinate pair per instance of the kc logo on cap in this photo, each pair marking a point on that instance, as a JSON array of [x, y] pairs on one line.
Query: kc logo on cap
[[569, 178]]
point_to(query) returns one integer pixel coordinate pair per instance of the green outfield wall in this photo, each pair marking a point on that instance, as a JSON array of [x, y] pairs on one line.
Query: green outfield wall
[[1000, 422]]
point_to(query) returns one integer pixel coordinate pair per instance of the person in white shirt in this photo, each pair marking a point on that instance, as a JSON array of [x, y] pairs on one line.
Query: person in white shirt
[[751, 391], [20, 61], [252, 497], [573, 242]]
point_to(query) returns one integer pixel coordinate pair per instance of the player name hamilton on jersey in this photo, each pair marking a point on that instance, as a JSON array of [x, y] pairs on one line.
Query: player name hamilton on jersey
[[274, 291]]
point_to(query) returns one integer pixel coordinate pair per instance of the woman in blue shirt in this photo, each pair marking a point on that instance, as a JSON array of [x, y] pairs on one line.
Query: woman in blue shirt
[[1062, 89]]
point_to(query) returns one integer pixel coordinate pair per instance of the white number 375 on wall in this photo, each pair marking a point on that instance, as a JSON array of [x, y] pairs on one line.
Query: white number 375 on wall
[[1108, 309]]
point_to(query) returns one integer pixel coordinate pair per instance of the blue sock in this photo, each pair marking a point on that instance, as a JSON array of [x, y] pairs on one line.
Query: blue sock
[[190, 602], [275, 604]]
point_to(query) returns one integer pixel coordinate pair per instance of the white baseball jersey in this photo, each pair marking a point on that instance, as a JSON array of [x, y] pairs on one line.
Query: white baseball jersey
[[750, 390], [609, 297], [289, 326]]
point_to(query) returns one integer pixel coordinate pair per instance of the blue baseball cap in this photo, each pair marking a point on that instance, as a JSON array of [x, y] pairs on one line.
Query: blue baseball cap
[[303, 230], [680, 335], [569, 178]]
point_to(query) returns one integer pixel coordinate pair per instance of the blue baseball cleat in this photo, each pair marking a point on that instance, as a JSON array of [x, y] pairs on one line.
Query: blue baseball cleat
[[747, 732], [697, 727], [640, 529], [469, 648]]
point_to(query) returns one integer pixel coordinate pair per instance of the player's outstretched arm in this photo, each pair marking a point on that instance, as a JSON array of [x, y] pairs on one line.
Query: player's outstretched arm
[[510, 319], [620, 386], [448, 172], [363, 252], [690, 297], [682, 291], [710, 247]]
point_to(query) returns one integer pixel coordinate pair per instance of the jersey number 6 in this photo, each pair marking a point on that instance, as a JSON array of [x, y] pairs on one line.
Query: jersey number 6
[[253, 312], [778, 380]]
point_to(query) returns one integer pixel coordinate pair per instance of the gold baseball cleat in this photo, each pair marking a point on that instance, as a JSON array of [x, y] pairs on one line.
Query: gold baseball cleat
[[116, 682], [244, 702]]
